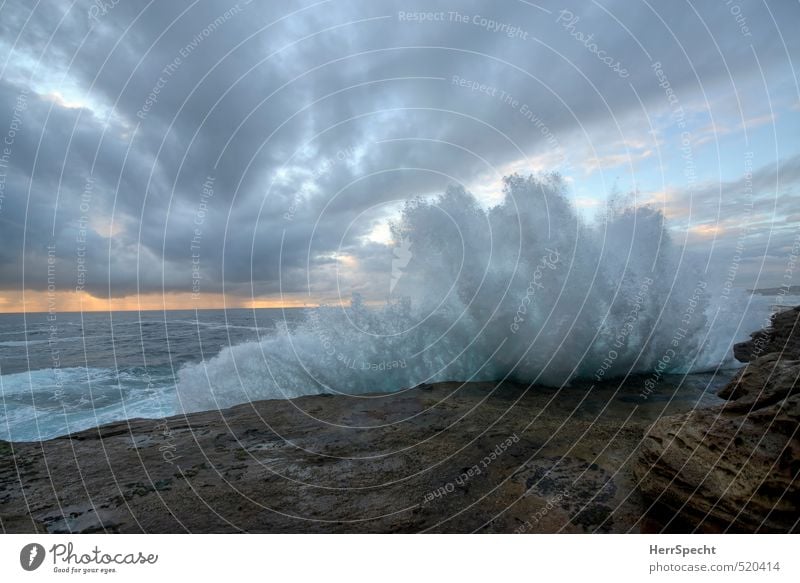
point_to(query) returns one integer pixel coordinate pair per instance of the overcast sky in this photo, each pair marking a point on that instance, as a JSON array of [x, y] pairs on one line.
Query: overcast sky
[[251, 151]]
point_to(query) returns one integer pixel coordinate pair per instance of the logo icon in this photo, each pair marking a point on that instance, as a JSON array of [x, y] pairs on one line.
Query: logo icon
[[31, 556], [401, 256]]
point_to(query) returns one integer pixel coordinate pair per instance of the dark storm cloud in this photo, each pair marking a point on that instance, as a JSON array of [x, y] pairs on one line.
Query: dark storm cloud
[[312, 120]]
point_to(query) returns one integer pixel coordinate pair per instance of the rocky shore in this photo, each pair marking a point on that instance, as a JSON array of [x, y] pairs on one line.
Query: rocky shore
[[450, 457], [734, 467]]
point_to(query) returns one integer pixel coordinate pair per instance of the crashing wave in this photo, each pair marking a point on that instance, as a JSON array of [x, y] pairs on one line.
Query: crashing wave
[[526, 290]]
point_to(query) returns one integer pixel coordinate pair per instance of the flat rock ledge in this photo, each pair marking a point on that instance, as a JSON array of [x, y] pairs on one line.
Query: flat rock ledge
[[734, 467], [448, 457]]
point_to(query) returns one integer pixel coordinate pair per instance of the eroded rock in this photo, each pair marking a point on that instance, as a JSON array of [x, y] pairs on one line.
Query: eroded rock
[[735, 467]]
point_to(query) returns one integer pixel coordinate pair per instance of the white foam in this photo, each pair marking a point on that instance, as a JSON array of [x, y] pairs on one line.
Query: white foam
[[45, 403], [525, 290]]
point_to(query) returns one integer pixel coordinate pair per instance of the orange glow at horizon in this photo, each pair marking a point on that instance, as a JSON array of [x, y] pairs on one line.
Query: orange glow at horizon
[[41, 301], [706, 230]]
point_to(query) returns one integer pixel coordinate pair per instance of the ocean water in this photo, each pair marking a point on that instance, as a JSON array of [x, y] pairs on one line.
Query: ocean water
[[526, 291], [98, 367]]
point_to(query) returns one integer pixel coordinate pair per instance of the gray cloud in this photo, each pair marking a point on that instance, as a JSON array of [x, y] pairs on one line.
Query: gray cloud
[[314, 120]]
